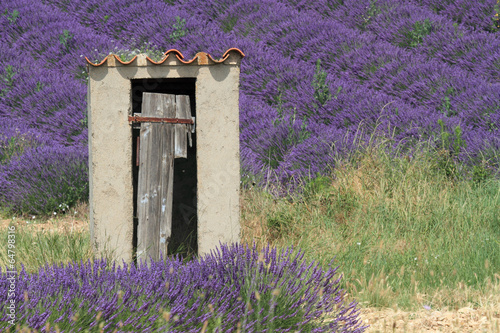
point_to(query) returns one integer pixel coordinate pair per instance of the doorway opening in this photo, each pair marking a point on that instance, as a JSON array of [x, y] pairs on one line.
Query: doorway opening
[[184, 237]]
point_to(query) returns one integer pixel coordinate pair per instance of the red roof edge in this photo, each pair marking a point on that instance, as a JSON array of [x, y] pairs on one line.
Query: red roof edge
[[201, 57]]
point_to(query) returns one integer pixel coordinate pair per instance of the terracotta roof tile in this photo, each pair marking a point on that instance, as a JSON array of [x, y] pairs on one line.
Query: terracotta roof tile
[[201, 58]]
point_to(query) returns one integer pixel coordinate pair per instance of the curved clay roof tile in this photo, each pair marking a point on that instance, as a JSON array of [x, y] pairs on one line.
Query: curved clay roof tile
[[202, 58]]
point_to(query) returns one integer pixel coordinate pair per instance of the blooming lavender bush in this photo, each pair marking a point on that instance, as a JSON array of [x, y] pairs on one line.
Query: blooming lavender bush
[[234, 287], [44, 179], [395, 67]]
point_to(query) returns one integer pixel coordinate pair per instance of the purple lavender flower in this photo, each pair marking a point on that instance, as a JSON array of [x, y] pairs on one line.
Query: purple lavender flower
[[390, 65], [233, 286]]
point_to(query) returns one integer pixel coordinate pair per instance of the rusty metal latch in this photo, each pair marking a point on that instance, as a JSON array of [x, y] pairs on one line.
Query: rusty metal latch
[[139, 119]]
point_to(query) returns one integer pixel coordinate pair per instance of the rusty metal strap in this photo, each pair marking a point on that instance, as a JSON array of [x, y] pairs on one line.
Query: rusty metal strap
[[138, 119]]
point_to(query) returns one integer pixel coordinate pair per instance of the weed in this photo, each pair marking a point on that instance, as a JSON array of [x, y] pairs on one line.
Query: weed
[[15, 146], [446, 107], [152, 51], [322, 92], [65, 39], [179, 29], [229, 23], [481, 172], [372, 11], [415, 36], [11, 17], [496, 17], [8, 78], [449, 149]]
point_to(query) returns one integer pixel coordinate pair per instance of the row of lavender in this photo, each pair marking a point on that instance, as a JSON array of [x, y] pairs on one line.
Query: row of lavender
[[233, 287], [315, 73]]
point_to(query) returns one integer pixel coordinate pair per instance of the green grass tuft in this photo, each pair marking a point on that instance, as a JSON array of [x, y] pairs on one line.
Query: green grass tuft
[[404, 230]]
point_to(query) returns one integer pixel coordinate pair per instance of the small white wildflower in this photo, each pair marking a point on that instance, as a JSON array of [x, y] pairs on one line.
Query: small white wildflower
[[33, 217], [55, 213], [415, 258], [358, 243]]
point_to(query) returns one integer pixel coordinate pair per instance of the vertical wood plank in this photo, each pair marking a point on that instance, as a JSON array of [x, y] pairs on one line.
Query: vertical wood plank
[[166, 178], [183, 111], [155, 181]]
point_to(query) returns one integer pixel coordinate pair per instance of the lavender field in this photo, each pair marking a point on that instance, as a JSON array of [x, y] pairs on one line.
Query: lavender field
[[322, 83], [319, 78]]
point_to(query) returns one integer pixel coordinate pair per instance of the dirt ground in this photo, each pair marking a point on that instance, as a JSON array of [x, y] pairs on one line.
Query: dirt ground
[[51, 226], [75, 219], [380, 320], [462, 320]]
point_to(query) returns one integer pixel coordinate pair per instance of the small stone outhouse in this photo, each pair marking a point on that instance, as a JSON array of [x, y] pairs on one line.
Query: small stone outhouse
[[164, 154]]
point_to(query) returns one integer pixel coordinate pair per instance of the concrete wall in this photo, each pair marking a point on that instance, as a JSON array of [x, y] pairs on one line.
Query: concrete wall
[[110, 148]]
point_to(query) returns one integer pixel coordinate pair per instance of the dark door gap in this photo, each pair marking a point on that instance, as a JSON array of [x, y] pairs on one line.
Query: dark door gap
[[184, 238]]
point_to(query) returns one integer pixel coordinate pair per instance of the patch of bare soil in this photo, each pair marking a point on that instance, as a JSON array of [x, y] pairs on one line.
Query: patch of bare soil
[[75, 219], [462, 320], [52, 225]]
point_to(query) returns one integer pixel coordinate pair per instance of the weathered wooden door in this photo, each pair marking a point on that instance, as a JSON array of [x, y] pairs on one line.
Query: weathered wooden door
[[165, 124]]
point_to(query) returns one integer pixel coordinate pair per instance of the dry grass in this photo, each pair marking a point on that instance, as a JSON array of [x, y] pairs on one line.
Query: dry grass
[[53, 239], [405, 234]]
